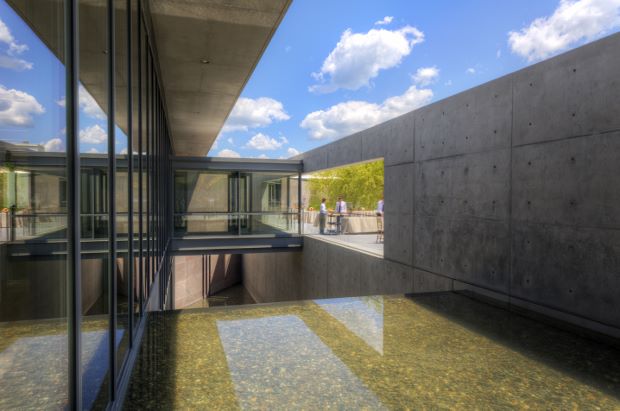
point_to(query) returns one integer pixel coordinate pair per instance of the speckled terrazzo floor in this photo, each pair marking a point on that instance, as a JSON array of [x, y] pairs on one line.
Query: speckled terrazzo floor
[[443, 351], [34, 363]]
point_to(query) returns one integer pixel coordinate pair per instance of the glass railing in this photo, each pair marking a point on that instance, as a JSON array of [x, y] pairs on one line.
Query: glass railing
[[235, 224]]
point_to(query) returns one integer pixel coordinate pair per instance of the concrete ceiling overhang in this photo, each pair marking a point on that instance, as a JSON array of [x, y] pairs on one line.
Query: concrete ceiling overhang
[[231, 36]]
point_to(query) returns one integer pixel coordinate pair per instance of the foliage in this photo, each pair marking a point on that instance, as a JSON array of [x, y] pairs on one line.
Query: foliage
[[360, 185]]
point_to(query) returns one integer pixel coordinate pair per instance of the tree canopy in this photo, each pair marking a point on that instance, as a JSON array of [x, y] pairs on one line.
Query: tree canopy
[[360, 185]]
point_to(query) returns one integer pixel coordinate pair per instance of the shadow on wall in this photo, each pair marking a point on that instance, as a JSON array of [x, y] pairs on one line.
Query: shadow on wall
[[197, 277]]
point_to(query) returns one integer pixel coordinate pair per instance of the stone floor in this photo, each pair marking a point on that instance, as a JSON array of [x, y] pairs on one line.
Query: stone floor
[[431, 351]]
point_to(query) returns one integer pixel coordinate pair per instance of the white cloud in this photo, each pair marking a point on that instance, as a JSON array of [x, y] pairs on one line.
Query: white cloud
[[93, 135], [571, 22], [231, 141], [54, 145], [87, 103], [8, 59], [17, 108], [263, 156], [14, 63], [123, 151], [358, 57], [498, 54], [448, 83], [349, 117], [262, 141], [292, 152], [251, 113], [471, 71], [94, 151], [426, 75], [228, 153], [386, 20]]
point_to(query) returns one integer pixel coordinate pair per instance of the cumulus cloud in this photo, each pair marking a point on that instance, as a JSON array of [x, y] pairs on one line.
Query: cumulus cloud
[[9, 59], [87, 103], [349, 117], [262, 142], [17, 108], [93, 135], [358, 57], [292, 152], [54, 145], [471, 70], [93, 151], [426, 75], [228, 153], [263, 156], [571, 22], [251, 113], [386, 20]]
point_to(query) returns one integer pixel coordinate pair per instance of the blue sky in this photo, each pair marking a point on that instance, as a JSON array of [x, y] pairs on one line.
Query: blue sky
[[332, 68]]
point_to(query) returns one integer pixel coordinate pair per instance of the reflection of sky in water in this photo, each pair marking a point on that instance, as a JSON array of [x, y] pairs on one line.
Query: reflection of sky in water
[[363, 316], [33, 370], [275, 362]]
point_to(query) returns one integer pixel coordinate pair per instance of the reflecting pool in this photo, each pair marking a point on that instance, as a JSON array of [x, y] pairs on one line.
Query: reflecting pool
[[443, 350]]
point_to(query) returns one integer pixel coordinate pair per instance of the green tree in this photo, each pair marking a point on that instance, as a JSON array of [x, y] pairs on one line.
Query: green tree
[[361, 185]]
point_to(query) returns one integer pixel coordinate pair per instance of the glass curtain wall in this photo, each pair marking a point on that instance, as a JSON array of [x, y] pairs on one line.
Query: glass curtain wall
[[235, 203], [123, 204], [34, 328]]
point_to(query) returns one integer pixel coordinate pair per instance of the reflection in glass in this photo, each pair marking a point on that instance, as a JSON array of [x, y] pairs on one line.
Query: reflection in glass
[[93, 125], [33, 200], [256, 203], [121, 106]]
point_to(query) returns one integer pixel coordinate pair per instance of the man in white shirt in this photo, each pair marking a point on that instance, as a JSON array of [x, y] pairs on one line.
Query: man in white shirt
[[322, 216], [341, 208], [380, 206]]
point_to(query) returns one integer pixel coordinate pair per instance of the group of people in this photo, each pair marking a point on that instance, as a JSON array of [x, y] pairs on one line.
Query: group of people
[[340, 210]]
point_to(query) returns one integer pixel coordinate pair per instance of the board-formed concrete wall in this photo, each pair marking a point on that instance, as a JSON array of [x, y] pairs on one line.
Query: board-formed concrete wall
[[512, 186], [328, 270]]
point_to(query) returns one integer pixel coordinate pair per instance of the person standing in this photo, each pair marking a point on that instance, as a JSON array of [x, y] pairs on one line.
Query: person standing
[[322, 216], [380, 205], [341, 208]]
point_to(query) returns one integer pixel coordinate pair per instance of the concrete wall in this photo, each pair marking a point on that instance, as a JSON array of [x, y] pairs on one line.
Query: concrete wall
[[198, 276], [512, 186], [328, 270]]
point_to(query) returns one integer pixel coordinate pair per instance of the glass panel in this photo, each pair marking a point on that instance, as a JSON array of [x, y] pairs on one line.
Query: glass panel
[[134, 152], [93, 97], [271, 223], [33, 307], [121, 110], [269, 192]]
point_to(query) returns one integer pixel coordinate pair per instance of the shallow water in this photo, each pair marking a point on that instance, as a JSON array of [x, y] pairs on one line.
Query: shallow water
[[428, 351]]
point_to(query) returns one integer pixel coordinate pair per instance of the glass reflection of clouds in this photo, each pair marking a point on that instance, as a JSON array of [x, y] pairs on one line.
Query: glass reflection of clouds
[[363, 316], [278, 361]]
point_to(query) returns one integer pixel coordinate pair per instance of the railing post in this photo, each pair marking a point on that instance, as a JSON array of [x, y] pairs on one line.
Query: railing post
[[11, 223]]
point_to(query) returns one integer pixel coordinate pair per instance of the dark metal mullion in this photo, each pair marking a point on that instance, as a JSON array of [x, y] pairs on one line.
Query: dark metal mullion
[[299, 205], [112, 197], [151, 137], [239, 202], [140, 170], [74, 304], [147, 260], [130, 172]]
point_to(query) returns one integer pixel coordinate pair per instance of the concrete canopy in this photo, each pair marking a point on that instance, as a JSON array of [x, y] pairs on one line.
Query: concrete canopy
[[207, 50]]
